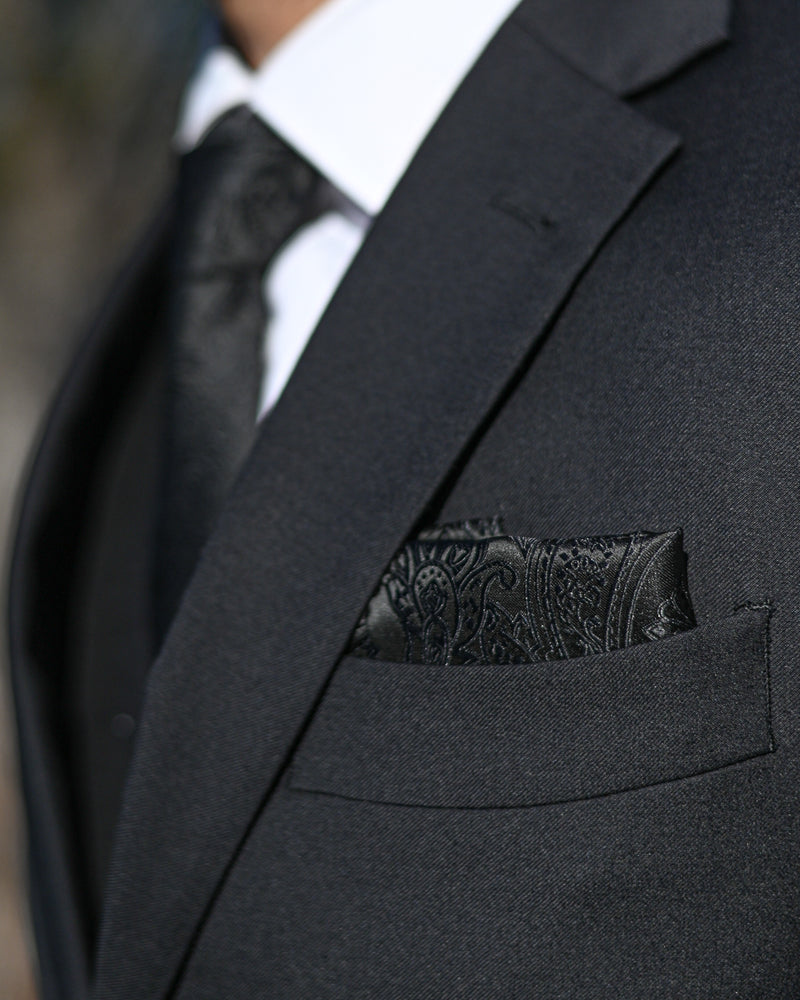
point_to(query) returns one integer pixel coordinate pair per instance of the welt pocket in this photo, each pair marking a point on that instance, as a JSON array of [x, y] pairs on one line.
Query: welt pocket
[[490, 736]]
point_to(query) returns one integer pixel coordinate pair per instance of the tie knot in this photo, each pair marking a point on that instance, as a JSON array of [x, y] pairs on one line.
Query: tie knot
[[241, 194]]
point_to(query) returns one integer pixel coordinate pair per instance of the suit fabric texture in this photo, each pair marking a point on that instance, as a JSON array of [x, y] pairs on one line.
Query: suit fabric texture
[[578, 312]]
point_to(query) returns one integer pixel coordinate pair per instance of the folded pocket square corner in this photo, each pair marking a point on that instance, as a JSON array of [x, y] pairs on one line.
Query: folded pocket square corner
[[467, 593]]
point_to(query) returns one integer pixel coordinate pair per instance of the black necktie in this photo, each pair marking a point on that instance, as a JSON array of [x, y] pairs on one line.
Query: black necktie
[[241, 194]]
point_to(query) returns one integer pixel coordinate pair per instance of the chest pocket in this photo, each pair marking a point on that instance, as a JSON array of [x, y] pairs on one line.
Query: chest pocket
[[489, 736]]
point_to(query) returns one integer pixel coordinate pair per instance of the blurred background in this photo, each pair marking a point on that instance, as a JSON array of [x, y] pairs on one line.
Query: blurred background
[[89, 91]]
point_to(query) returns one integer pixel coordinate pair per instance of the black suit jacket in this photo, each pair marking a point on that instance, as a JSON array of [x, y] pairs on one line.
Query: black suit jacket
[[578, 311]]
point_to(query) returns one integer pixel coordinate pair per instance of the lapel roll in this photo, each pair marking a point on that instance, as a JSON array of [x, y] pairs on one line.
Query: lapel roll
[[524, 176]]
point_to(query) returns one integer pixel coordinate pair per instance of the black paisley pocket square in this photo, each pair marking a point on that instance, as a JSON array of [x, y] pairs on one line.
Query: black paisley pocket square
[[467, 593]]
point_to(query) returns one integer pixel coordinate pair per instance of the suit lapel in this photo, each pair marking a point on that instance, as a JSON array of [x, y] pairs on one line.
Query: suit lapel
[[524, 176], [628, 45]]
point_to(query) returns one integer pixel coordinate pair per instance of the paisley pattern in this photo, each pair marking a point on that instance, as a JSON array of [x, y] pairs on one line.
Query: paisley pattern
[[467, 593]]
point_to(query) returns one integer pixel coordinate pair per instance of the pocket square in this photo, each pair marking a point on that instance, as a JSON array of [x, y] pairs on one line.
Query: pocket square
[[468, 594]]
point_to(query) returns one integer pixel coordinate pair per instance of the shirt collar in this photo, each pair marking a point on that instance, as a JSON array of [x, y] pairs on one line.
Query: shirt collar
[[355, 88]]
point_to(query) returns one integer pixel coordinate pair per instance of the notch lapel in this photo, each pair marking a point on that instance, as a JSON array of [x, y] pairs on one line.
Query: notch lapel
[[524, 176], [628, 45]]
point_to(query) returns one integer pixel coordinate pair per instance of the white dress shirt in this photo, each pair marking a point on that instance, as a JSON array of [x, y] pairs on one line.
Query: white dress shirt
[[355, 88]]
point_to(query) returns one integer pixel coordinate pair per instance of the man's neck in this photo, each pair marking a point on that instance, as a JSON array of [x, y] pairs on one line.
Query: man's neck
[[258, 25]]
